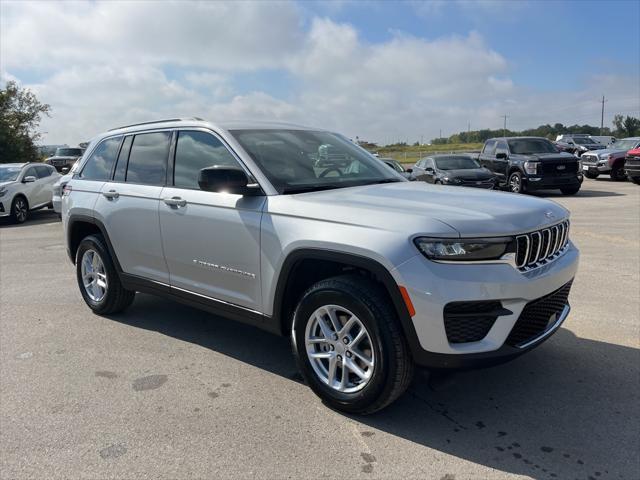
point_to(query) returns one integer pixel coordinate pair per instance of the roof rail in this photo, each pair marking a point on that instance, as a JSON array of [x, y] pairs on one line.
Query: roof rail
[[156, 121]]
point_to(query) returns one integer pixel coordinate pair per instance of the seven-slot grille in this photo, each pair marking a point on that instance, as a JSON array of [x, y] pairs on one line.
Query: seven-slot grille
[[537, 248]]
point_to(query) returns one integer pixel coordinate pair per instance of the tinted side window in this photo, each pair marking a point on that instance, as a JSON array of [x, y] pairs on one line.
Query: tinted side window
[[43, 171], [31, 172], [430, 163], [501, 147], [195, 151], [489, 147], [99, 165], [123, 158], [148, 158]]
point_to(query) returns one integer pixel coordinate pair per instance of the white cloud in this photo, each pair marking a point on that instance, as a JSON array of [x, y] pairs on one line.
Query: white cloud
[[101, 65]]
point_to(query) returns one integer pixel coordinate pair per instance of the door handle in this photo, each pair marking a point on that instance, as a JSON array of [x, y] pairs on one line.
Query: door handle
[[111, 194], [175, 202]]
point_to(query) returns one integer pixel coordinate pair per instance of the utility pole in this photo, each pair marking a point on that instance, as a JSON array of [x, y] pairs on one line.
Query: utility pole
[[602, 116], [504, 128], [440, 134], [469, 127]]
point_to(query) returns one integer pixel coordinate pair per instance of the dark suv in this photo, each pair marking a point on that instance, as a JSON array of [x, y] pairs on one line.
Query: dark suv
[[65, 157], [531, 163]]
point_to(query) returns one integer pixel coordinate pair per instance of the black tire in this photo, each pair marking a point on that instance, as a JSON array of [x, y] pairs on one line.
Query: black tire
[[516, 183], [116, 298], [437, 182], [591, 175], [19, 209], [393, 367], [570, 190], [617, 174], [635, 180]]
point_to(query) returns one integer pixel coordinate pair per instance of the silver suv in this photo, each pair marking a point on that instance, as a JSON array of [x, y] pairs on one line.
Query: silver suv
[[369, 274]]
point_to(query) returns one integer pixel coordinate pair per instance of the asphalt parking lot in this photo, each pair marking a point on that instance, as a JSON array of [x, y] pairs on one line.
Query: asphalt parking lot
[[166, 391]]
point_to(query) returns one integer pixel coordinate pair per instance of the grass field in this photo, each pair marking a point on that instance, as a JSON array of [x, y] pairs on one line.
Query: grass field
[[411, 153]]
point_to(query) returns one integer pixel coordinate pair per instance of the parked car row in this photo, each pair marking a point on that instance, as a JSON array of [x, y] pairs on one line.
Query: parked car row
[[610, 160], [25, 187]]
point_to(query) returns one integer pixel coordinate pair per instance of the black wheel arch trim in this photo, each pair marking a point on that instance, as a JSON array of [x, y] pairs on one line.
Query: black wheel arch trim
[[381, 273], [79, 218]]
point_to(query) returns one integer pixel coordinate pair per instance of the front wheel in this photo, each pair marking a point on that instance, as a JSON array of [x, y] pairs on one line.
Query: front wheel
[[97, 278], [635, 180], [516, 184], [617, 174], [349, 346], [19, 209]]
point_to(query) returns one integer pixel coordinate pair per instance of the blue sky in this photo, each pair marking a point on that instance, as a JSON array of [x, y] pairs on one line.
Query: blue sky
[[378, 70]]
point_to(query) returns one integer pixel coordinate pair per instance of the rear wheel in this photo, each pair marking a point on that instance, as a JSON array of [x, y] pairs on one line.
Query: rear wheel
[[97, 278], [19, 209], [348, 344], [617, 174]]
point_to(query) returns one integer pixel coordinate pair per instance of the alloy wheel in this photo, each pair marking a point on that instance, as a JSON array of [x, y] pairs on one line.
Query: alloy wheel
[[339, 349], [515, 183], [21, 210], [94, 277]]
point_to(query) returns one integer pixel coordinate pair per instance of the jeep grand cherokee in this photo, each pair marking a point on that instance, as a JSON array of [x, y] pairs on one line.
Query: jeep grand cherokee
[[368, 273]]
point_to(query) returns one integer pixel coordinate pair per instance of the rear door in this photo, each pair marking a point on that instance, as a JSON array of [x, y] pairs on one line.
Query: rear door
[[487, 156], [211, 240], [128, 204], [500, 165]]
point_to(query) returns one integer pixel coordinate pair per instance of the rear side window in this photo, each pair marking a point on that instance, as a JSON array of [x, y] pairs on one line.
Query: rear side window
[[489, 147], [501, 147], [195, 151], [43, 171], [148, 159], [100, 163], [123, 158]]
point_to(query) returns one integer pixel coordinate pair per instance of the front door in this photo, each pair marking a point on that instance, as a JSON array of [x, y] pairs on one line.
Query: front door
[[211, 240]]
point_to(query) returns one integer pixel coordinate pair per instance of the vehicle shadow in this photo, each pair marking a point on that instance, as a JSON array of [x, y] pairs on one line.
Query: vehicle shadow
[[37, 217], [569, 409], [585, 193]]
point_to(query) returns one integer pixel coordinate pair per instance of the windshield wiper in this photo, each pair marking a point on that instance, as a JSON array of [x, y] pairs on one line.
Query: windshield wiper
[[386, 180]]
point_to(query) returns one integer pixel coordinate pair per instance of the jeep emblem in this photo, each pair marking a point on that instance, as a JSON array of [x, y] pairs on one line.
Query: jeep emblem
[[549, 214], [561, 167]]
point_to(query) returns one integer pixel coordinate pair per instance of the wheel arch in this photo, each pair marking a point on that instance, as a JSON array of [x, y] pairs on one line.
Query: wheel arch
[[304, 267], [81, 226]]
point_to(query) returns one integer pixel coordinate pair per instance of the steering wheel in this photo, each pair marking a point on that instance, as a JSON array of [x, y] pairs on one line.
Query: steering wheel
[[331, 169]]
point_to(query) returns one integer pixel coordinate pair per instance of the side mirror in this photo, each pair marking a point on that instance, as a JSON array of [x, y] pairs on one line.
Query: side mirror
[[409, 170], [29, 179], [429, 170], [227, 179], [501, 155], [65, 170]]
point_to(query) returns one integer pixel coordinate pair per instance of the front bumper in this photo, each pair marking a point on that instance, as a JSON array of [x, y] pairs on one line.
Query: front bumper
[[432, 286], [551, 183]]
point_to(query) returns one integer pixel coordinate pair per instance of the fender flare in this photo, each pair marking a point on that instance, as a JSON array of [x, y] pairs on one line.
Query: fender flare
[[381, 273], [77, 218]]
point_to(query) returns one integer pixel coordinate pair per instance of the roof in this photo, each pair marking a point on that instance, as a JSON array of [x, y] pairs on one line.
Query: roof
[[20, 165], [198, 122], [517, 138]]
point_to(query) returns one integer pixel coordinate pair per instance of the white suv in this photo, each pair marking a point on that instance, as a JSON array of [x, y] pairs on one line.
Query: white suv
[[368, 273], [25, 187]]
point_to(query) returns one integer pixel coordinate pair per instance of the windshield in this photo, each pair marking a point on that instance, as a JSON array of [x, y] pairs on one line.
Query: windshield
[[303, 160], [9, 174], [625, 144], [68, 152], [528, 146], [456, 163], [584, 141]]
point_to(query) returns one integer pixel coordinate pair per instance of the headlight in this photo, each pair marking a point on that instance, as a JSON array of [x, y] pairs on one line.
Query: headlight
[[3, 191], [452, 180], [531, 167], [465, 249]]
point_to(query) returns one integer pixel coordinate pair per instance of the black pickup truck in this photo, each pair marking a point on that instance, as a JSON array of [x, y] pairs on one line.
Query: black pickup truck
[[531, 163]]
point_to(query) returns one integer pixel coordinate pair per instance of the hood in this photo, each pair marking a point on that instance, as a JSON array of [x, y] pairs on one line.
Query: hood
[[421, 208], [468, 173], [6, 184], [611, 150], [563, 157]]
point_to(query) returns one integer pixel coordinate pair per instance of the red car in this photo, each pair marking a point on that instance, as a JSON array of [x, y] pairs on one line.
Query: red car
[[632, 165]]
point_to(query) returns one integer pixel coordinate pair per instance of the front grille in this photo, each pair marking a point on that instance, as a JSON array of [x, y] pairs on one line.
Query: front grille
[[537, 248], [589, 159], [538, 316], [477, 183], [471, 321], [559, 168]]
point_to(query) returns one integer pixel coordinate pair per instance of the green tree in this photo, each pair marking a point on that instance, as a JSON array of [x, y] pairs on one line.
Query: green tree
[[20, 115], [626, 126]]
